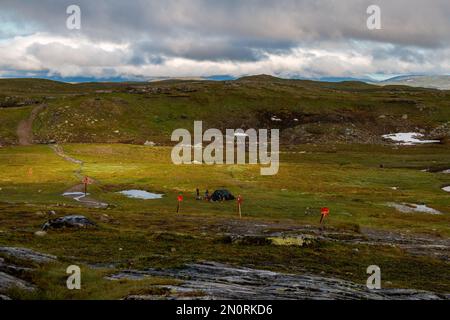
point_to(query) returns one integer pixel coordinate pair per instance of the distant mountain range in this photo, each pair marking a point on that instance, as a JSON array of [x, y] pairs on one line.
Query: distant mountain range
[[434, 82], [441, 82]]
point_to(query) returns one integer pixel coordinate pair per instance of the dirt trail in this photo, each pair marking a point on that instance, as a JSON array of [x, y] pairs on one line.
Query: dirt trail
[[25, 127], [77, 192]]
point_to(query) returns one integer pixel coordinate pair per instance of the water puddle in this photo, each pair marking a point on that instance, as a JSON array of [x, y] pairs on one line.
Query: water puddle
[[141, 194], [413, 208]]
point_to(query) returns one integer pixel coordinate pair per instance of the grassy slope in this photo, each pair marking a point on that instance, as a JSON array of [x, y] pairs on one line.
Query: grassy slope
[[140, 111], [348, 179]]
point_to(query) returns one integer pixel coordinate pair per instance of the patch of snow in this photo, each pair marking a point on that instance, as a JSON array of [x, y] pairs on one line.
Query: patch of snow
[[408, 138], [141, 194], [411, 208], [445, 171], [446, 189]]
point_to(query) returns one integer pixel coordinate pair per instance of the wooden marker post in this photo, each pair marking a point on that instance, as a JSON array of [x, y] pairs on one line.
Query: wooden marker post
[[325, 212], [180, 199], [239, 202], [86, 181]]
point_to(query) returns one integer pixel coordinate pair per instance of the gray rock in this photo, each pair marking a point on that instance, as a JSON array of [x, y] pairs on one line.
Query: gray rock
[[4, 298], [68, 222], [11, 273], [12, 268], [8, 281], [219, 281], [27, 255]]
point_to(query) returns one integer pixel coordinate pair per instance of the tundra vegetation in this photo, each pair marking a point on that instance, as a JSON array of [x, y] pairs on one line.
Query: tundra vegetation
[[332, 154]]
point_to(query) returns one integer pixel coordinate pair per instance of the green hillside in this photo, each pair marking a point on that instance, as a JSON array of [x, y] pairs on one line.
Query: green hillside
[[305, 111]]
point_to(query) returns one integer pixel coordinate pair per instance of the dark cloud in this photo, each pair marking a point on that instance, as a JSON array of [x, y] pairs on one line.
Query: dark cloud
[[411, 22], [235, 31]]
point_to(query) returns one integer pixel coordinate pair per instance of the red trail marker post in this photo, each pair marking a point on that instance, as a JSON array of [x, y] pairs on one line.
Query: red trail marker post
[[180, 199], [325, 212], [86, 181], [239, 203]]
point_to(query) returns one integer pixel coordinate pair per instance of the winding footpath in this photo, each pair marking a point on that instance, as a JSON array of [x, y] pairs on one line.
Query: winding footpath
[[25, 127], [77, 191]]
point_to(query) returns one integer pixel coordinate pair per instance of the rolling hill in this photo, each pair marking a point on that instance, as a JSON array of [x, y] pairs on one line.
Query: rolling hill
[[135, 112]]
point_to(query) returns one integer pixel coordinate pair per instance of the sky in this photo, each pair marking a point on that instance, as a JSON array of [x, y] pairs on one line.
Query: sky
[[144, 39]]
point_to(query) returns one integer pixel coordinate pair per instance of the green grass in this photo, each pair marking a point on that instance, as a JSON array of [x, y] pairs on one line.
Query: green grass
[[138, 234], [10, 119], [110, 112]]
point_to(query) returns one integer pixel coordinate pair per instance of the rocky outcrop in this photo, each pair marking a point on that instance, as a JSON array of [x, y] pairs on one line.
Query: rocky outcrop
[[11, 273], [210, 280], [8, 281], [27, 255]]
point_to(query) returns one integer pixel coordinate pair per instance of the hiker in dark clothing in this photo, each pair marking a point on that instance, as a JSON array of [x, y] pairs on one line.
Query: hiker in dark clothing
[[207, 195], [198, 195]]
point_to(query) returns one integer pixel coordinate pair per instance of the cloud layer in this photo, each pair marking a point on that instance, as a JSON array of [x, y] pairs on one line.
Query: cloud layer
[[140, 38]]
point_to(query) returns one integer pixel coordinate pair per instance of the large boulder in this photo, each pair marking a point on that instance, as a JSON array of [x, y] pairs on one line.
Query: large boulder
[[80, 222]]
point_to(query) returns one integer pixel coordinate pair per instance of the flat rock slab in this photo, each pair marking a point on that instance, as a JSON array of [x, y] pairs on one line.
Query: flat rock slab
[[69, 222], [11, 274], [8, 281], [219, 281], [27, 255]]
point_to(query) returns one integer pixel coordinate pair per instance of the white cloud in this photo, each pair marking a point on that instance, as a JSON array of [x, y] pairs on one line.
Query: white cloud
[[201, 38]]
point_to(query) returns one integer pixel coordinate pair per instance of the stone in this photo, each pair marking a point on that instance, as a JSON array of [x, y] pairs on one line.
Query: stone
[[221, 281], [8, 281], [149, 144], [11, 274], [68, 222], [27, 255]]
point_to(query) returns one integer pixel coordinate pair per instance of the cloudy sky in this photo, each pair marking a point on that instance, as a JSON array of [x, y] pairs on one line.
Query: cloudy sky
[[185, 38]]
